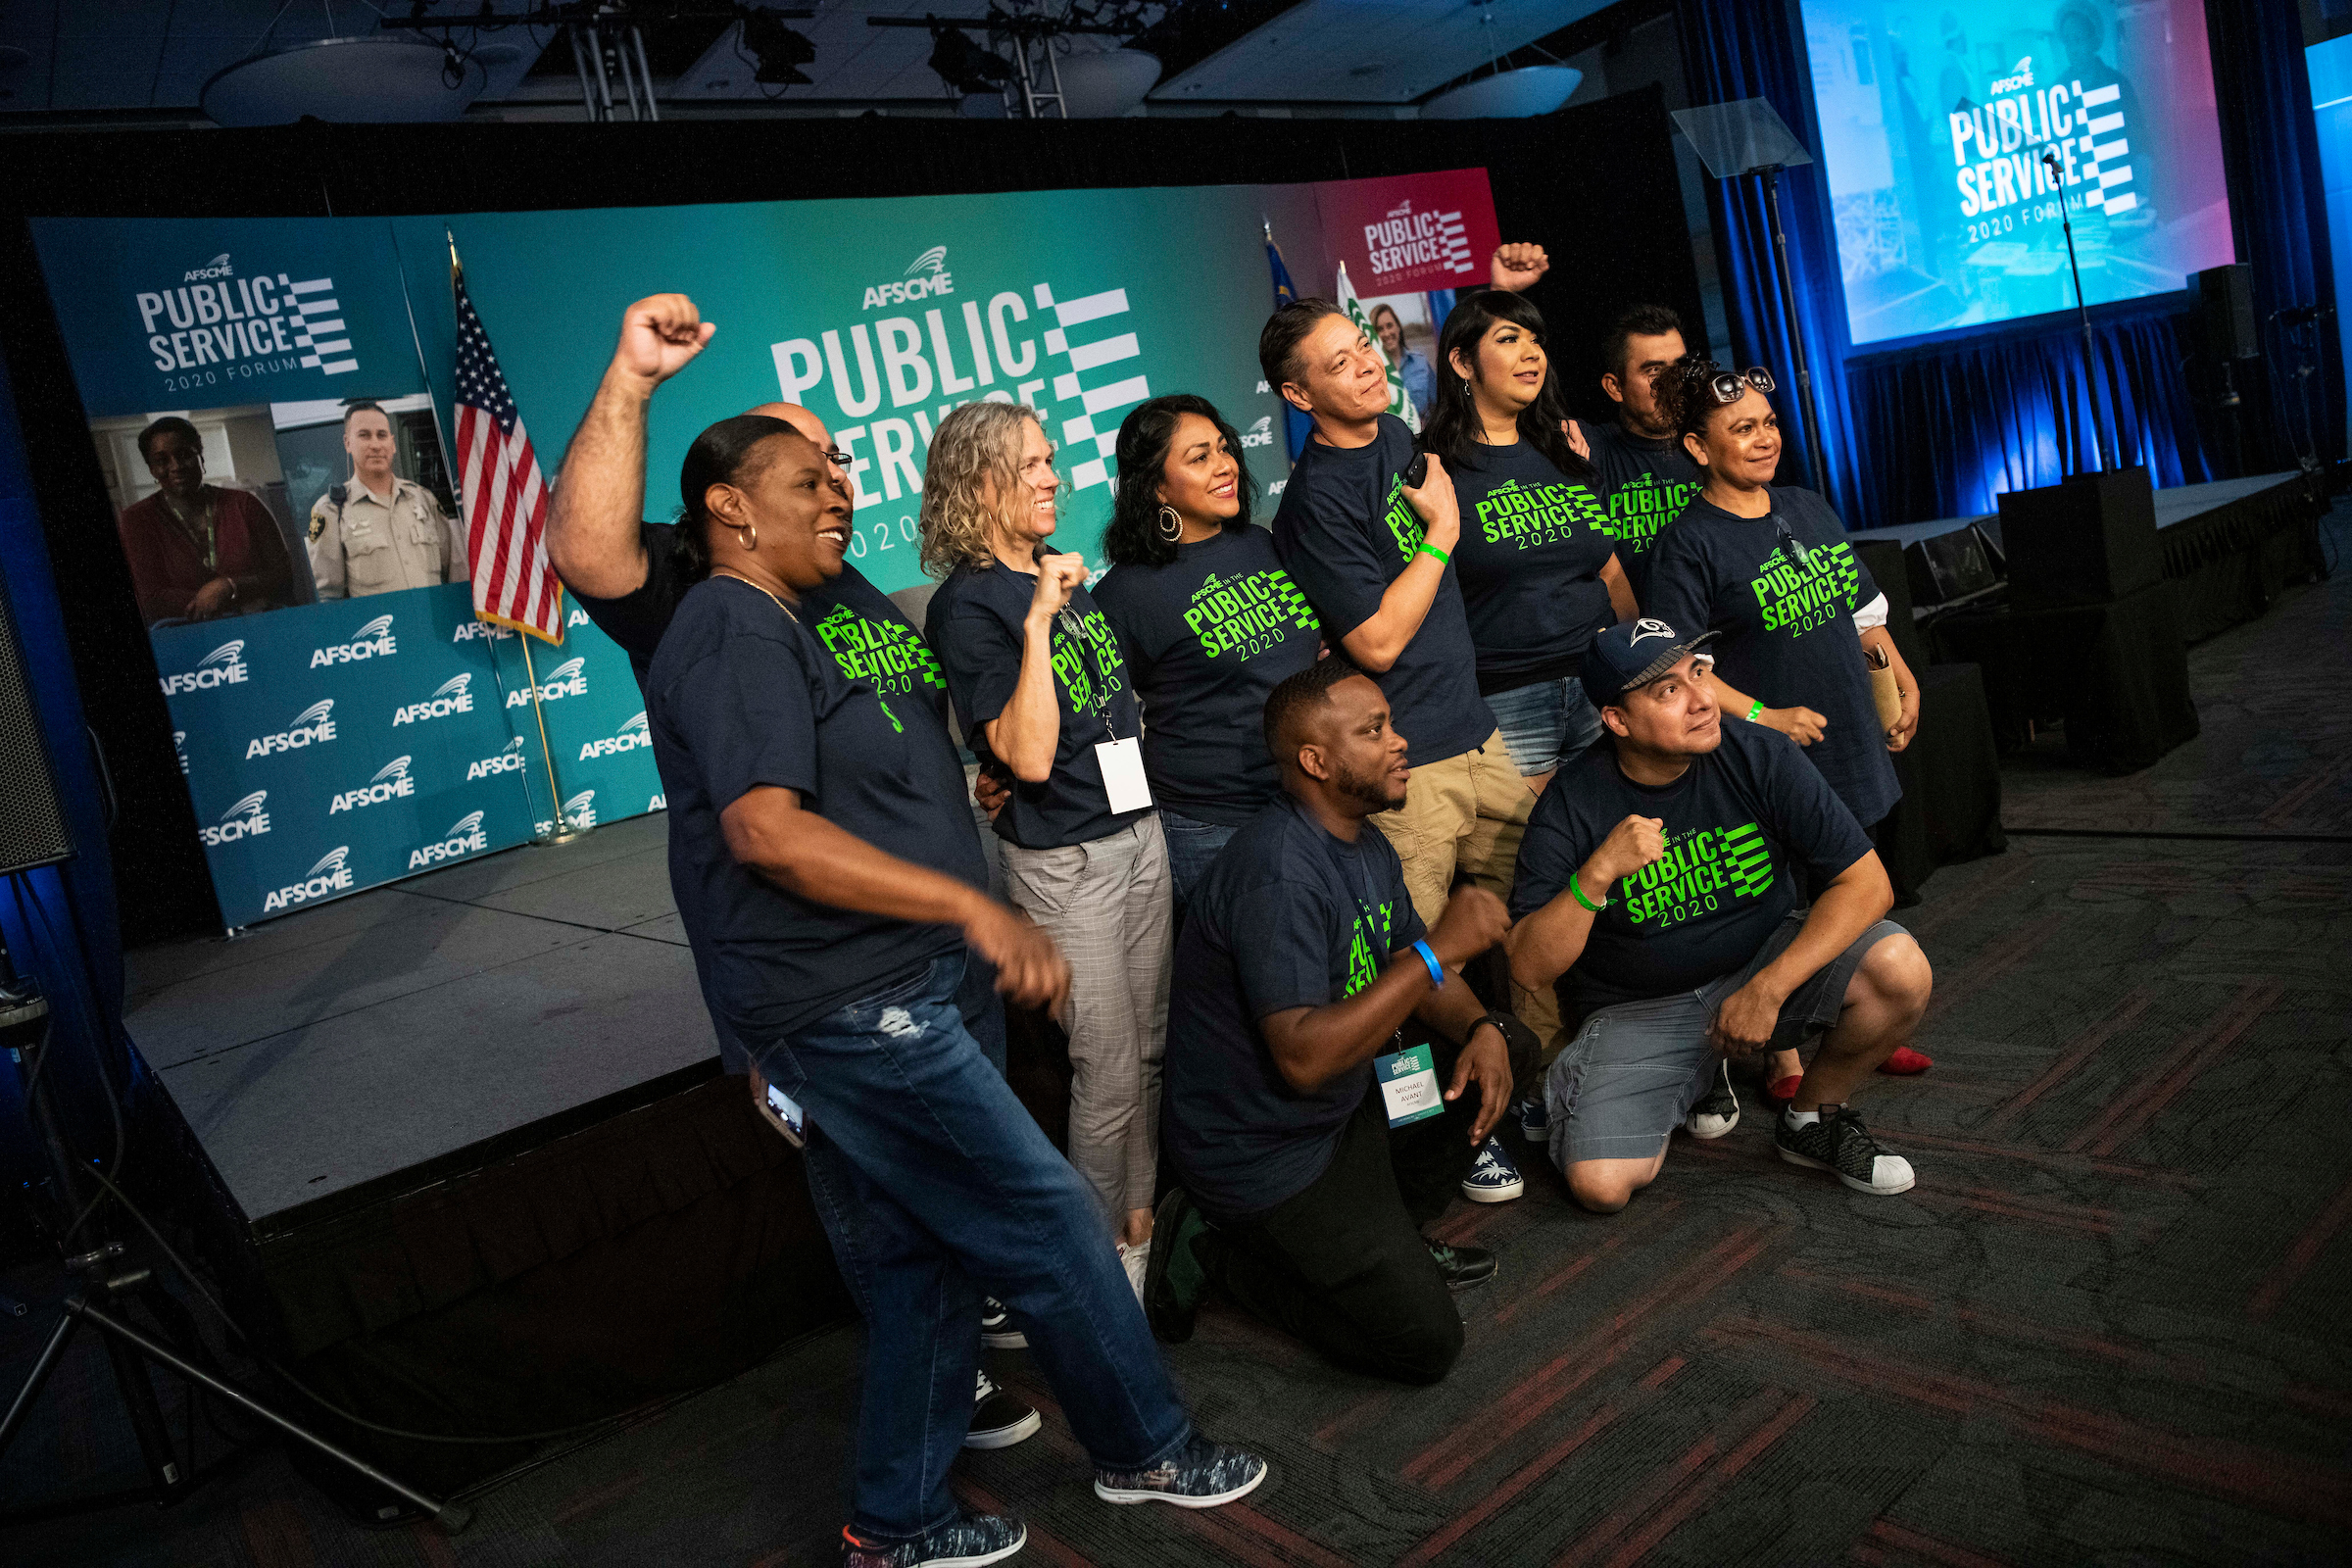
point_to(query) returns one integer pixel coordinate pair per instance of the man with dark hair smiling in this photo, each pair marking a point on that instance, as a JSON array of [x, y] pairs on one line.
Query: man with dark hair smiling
[[1662, 885], [1301, 962]]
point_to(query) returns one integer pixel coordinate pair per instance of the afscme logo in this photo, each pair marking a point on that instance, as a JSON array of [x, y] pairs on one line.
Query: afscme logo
[[577, 618], [224, 665], [465, 836], [566, 679], [926, 277], [580, 809], [481, 631], [218, 267], [2020, 76], [391, 780], [244, 821], [449, 696], [629, 738], [331, 876], [509, 761], [1260, 434], [374, 640], [312, 726]]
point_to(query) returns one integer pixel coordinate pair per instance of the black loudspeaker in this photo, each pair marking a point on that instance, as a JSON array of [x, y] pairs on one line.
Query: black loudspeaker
[[2224, 300], [32, 826], [2087, 540]]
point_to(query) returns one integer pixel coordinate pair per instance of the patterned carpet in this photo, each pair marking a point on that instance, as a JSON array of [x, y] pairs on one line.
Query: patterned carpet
[[2106, 1326]]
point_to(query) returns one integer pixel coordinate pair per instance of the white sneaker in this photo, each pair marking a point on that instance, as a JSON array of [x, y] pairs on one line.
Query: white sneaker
[[1718, 1109], [1137, 1261]]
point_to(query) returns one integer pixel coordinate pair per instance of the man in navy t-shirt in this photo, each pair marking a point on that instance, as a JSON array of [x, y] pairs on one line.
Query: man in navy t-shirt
[[1300, 964], [1698, 893], [1645, 476]]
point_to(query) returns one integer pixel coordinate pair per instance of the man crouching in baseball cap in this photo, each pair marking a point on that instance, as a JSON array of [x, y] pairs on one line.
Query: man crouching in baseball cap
[[1663, 887]]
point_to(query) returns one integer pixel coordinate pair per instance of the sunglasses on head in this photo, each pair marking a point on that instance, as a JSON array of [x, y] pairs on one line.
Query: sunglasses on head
[[1728, 385]]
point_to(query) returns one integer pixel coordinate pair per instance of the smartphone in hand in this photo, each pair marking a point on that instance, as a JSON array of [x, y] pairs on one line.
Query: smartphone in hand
[[788, 1120]]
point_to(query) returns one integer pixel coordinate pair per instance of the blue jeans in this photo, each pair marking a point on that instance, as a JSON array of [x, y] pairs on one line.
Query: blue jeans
[[1193, 847], [1546, 724], [935, 1185]]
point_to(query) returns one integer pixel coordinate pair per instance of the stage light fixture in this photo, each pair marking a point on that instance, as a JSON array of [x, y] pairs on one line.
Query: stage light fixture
[[778, 51], [964, 64]]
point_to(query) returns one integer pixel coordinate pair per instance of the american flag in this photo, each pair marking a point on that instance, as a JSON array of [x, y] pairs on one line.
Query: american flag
[[505, 497]]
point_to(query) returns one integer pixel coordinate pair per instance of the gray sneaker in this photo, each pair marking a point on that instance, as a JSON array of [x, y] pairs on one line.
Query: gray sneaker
[[1199, 1475], [963, 1543], [1839, 1144]]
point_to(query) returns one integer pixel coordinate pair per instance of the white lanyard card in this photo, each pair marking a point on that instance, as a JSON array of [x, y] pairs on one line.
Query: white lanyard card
[[1123, 764], [1408, 1082]]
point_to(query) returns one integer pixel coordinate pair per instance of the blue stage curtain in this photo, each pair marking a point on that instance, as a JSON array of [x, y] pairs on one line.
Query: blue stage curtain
[[1735, 49], [1940, 429], [2278, 206], [59, 924]]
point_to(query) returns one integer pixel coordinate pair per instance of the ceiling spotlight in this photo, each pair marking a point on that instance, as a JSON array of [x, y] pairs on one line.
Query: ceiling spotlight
[[779, 51], [965, 66]]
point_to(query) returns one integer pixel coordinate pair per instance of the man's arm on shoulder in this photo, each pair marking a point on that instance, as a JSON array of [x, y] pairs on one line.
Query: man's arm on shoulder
[[597, 501]]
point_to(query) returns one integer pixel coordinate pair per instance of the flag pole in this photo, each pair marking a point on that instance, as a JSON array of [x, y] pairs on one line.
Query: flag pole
[[561, 830]]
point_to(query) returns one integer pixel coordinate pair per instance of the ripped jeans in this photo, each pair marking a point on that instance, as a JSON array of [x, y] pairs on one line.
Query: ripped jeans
[[936, 1186]]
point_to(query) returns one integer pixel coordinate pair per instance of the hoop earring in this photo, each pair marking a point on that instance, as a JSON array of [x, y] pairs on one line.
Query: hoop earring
[[1171, 526], [753, 530]]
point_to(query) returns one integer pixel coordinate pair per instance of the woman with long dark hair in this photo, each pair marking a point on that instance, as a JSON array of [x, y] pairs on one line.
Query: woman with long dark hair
[[1538, 564], [836, 963], [1207, 618], [1798, 615], [1036, 671]]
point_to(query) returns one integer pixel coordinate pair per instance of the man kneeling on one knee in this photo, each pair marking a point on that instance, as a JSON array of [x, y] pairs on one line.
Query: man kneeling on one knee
[[1313, 1145], [1663, 886]]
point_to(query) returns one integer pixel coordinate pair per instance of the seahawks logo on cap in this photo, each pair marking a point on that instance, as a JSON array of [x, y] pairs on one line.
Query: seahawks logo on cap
[[1648, 627]]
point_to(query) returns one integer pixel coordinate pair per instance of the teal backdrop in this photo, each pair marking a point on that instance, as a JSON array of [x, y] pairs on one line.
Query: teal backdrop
[[338, 746]]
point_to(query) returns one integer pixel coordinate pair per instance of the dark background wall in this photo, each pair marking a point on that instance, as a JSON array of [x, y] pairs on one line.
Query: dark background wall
[[1597, 185]]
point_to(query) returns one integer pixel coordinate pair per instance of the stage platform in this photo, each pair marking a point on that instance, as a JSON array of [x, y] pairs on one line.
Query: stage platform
[[2229, 545]]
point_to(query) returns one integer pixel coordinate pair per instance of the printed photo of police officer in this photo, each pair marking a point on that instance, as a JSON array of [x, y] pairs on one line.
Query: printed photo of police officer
[[383, 524]]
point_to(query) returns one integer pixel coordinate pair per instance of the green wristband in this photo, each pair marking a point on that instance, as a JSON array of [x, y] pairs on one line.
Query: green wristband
[[1754, 708], [1444, 559], [1578, 888]]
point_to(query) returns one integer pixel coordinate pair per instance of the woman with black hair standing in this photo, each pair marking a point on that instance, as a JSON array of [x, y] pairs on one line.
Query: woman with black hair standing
[[1798, 612], [1538, 566], [1208, 621], [836, 962]]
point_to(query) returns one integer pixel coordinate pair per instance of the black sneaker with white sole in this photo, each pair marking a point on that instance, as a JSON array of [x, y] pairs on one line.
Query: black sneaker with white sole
[[995, 1328], [1461, 1266], [1199, 1475], [1718, 1109], [1838, 1143], [966, 1541], [999, 1420]]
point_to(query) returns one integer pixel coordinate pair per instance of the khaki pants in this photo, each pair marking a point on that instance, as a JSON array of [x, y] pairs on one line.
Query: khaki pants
[[1465, 815]]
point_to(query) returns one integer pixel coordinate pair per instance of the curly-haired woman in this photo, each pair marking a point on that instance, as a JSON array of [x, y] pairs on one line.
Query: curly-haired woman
[[1036, 672]]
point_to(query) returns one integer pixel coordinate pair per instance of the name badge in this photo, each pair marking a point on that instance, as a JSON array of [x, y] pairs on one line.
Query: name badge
[[1408, 1082], [1123, 764]]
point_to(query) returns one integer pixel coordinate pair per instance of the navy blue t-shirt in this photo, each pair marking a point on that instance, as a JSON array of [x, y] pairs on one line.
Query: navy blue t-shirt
[[1344, 531], [1289, 916], [1751, 833], [1534, 542], [1205, 638], [741, 695], [1787, 614], [856, 620], [975, 624], [1645, 485]]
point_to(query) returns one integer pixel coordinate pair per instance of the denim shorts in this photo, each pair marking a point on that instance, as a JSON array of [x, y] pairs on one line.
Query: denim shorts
[[1546, 723], [1633, 1070]]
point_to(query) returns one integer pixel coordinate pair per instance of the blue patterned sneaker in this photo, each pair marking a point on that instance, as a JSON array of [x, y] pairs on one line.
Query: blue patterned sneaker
[[1535, 1122], [1199, 1475], [1493, 1179], [966, 1541]]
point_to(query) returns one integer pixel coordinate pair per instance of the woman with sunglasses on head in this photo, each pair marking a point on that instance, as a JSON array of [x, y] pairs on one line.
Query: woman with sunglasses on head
[[1798, 612], [1036, 671], [1208, 622], [1538, 566]]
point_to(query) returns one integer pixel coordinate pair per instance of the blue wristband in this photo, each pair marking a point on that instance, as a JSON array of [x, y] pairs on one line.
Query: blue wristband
[[1437, 970]]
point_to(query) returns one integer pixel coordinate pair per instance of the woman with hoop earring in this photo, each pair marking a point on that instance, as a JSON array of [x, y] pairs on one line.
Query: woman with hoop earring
[[1208, 621]]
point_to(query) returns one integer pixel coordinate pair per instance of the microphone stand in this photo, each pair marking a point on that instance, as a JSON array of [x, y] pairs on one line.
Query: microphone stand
[[2098, 446]]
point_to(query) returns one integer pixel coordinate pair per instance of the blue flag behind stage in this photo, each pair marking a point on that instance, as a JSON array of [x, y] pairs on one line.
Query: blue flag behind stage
[[1296, 426]]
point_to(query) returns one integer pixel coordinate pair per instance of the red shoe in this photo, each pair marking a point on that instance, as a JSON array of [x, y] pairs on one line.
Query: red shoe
[[1905, 1061], [1784, 1090]]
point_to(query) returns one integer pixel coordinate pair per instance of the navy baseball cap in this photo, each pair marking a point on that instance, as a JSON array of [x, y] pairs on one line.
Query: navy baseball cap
[[1632, 655]]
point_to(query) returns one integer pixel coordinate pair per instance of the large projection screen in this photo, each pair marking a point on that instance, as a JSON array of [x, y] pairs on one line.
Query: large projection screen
[[1934, 121]]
